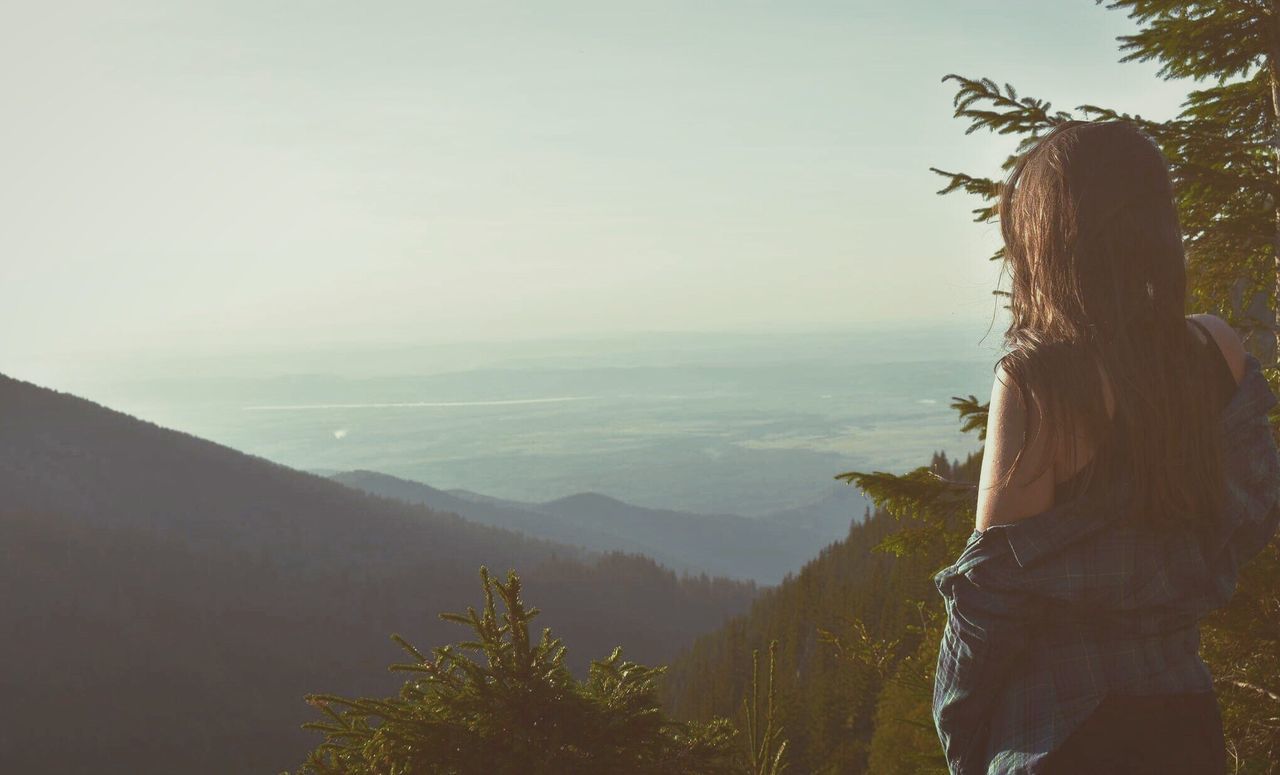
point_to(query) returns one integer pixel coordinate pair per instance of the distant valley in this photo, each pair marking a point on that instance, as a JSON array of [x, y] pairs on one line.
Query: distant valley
[[763, 549], [745, 424]]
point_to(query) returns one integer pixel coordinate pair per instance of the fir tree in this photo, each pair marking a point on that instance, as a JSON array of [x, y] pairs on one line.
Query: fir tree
[[766, 748], [518, 711], [521, 711]]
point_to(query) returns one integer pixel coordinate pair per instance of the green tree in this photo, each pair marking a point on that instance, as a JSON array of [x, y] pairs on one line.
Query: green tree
[[519, 710]]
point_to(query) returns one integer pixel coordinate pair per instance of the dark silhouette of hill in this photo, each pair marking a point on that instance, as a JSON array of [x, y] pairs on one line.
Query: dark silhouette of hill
[[763, 550], [168, 601]]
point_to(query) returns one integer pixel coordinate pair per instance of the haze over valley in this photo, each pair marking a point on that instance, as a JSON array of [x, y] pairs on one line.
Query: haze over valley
[[747, 424]]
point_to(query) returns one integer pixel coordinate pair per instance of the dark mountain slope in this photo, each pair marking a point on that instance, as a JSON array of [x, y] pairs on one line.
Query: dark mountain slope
[[169, 601]]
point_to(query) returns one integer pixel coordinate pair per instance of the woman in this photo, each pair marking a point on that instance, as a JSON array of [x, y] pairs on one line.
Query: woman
[[1129, 471]]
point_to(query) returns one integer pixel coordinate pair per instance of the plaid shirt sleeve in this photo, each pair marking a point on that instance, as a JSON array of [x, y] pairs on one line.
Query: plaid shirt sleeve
[[988, 624]]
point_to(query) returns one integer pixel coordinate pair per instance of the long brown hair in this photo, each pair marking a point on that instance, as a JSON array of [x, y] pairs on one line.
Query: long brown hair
[[1094, 251]]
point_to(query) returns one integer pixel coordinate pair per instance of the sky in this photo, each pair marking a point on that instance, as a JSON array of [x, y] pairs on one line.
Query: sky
[[224, 177]]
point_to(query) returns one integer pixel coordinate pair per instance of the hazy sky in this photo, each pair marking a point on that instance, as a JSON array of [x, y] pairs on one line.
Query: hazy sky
[[239, 175]]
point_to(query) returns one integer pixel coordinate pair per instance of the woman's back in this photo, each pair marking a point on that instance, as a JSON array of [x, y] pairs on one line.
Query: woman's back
[[1160, 734], [1215, 369]]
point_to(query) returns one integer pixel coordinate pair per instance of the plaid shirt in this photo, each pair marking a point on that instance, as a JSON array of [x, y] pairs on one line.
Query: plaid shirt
[[1047, 615]]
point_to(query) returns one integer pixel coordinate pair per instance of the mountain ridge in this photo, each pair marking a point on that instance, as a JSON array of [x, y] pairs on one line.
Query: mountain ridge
[[162, 572], [763, 550]]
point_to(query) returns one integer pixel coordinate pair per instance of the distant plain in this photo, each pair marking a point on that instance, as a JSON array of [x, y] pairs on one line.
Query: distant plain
[[719, 423]]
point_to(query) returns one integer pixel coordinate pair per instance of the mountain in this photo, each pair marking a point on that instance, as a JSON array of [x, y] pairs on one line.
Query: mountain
[[496, 512], [764, 550], [172, 600], [830, 516]]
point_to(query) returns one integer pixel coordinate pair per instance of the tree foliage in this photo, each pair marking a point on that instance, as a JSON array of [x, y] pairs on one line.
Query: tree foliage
[[503, 702]]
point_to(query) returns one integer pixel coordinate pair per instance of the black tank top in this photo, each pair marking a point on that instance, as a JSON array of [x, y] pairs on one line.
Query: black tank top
[[1220, 373]]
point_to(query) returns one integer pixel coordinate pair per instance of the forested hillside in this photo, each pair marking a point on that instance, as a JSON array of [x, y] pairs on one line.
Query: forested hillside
[[827, 698], [172, 600], [859, 629]]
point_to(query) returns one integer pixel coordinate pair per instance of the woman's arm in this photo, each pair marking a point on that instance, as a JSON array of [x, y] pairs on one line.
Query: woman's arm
[[1030, 490], [988, 616]]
